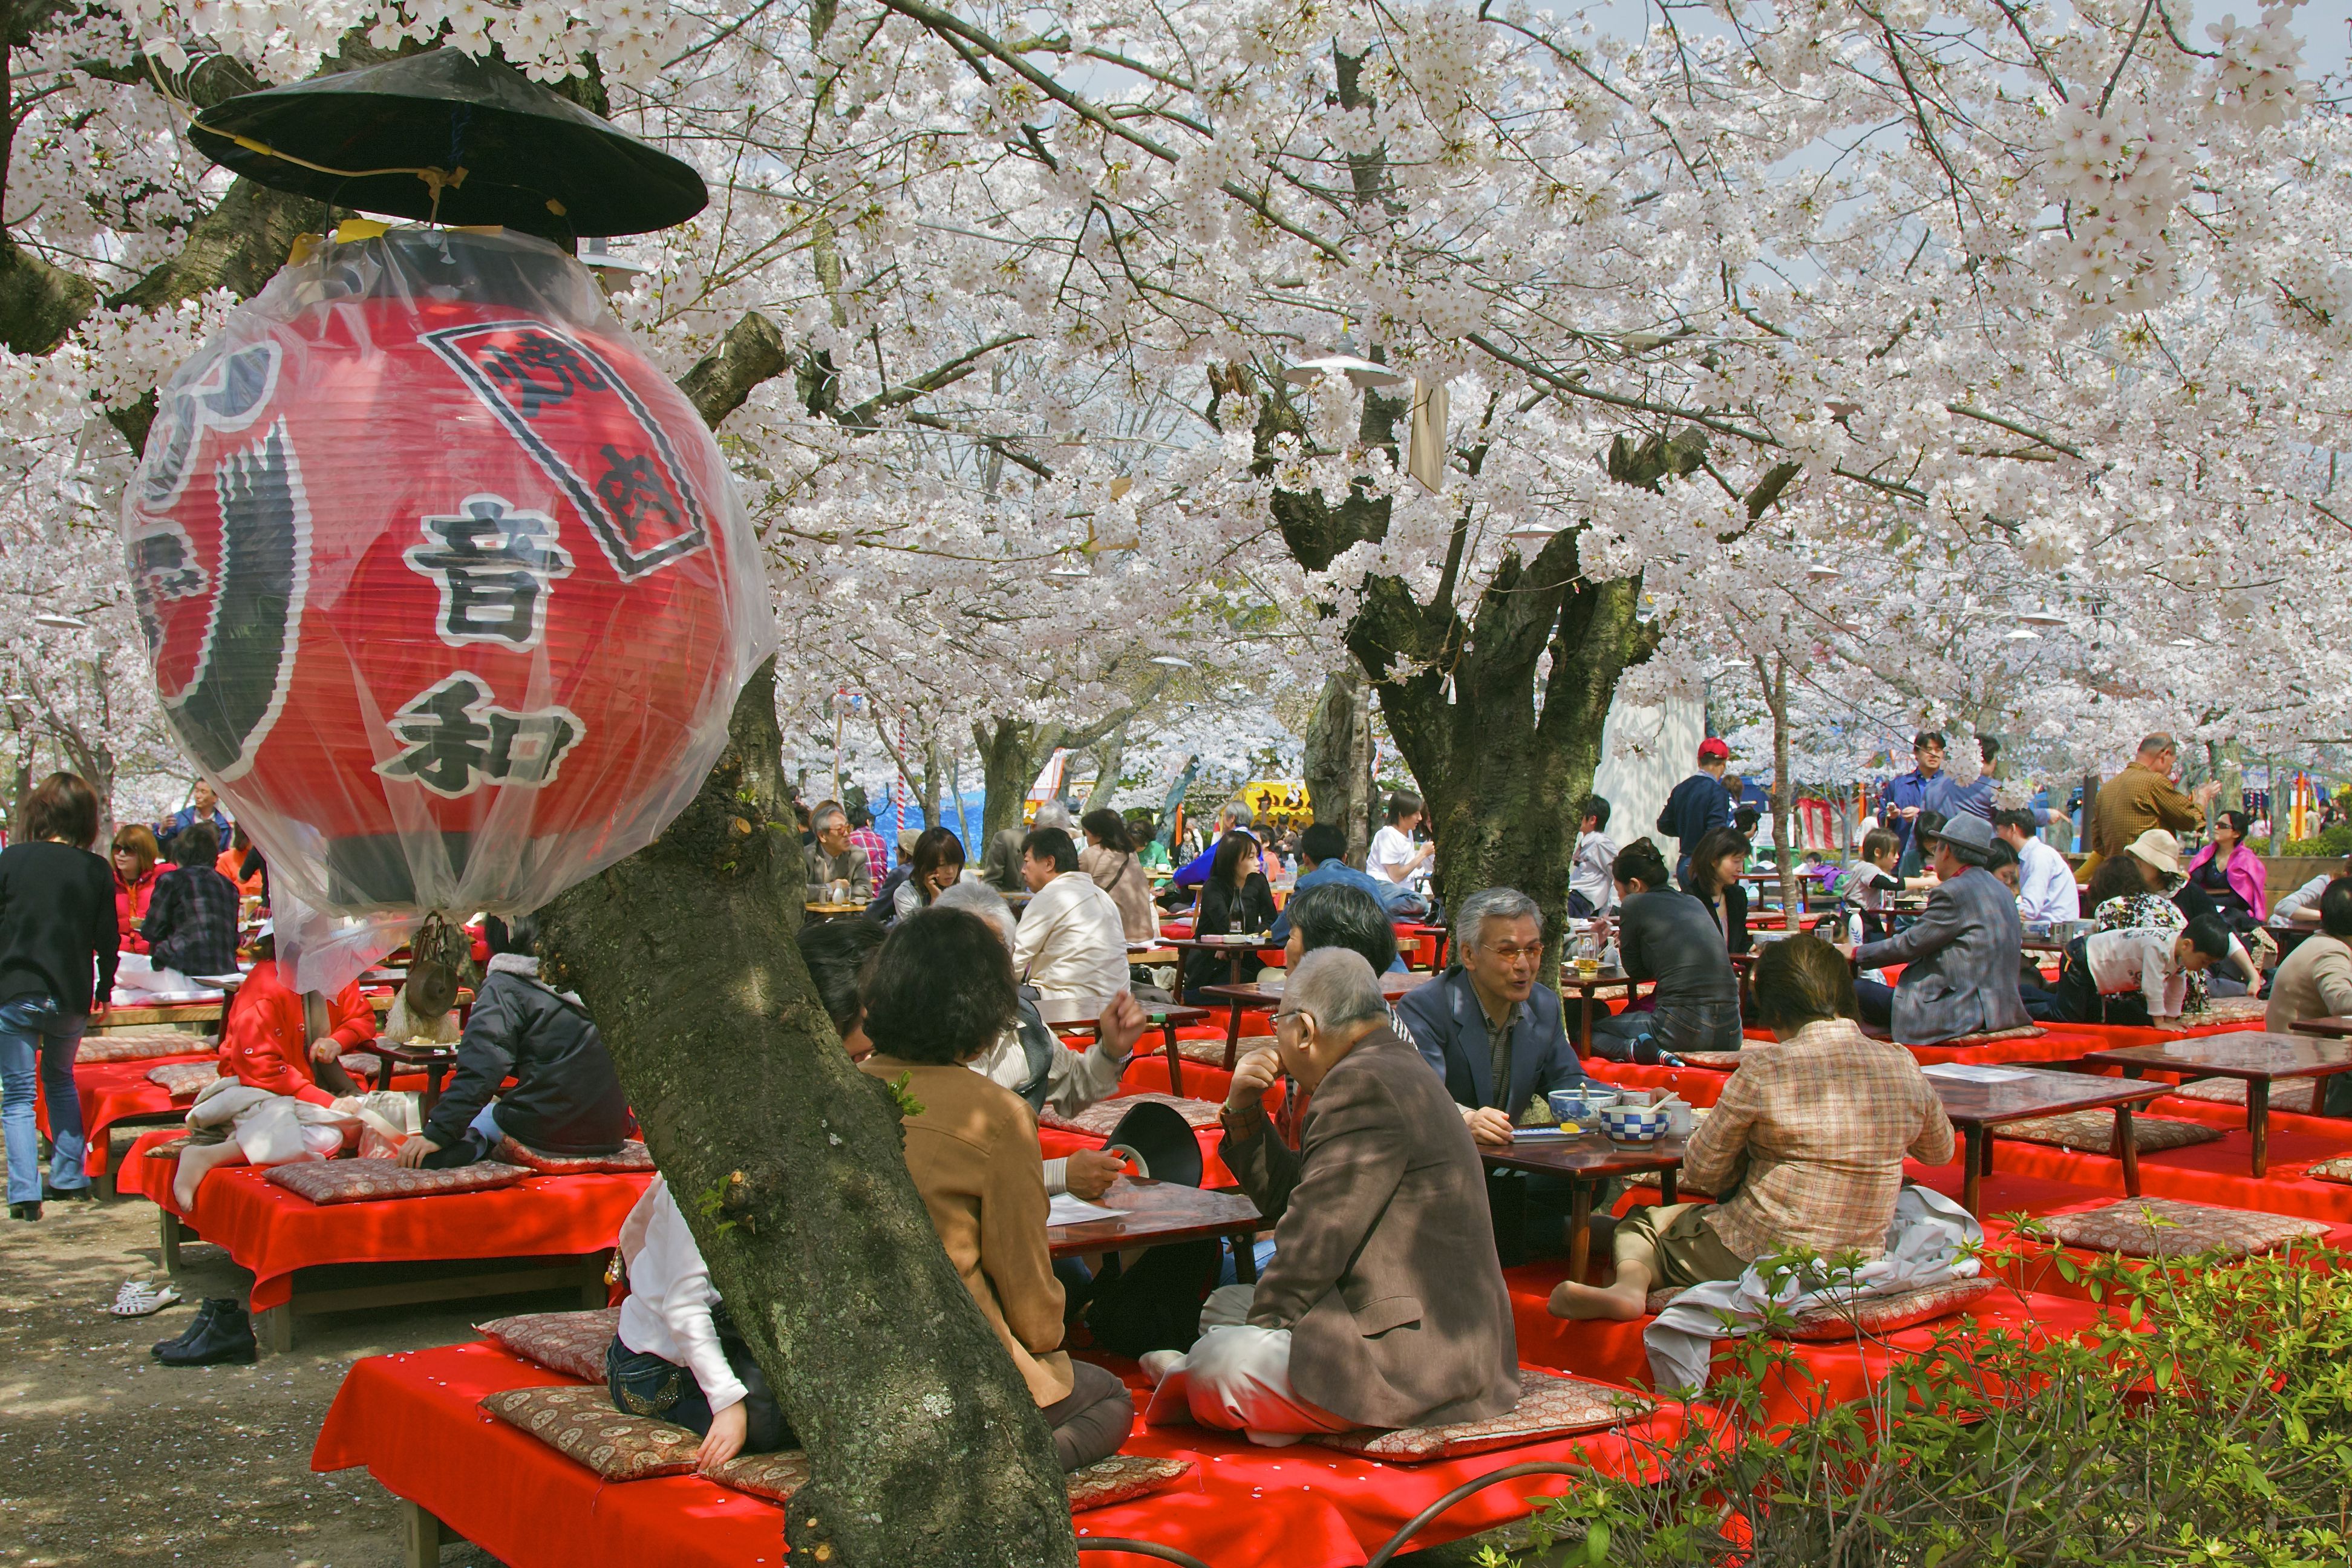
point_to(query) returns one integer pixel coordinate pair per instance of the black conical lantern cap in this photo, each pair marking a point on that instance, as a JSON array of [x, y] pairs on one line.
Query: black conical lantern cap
[[532, 161]]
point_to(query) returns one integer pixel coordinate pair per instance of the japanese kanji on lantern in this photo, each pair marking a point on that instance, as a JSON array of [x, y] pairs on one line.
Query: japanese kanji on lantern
[[444, 584]]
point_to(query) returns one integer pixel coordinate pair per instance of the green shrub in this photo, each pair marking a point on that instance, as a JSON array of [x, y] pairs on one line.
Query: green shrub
[[2336, 841], [2206, 1420]]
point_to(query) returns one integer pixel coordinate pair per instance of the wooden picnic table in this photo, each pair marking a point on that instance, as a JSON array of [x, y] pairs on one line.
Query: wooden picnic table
[[1225, 946], [435, 1060], [1588, 1159], [826, 911], [2333, 1028], [1977, 1105], [1585, 991], [1155, 1213], [2259, 1059], [1085, 1012], [1269, 993]]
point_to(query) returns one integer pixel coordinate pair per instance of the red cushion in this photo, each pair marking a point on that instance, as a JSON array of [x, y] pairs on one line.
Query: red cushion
[[631, 1157], [572, 1343]]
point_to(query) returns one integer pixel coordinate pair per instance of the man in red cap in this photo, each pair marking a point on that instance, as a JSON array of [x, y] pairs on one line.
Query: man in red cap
[[1697, 805]]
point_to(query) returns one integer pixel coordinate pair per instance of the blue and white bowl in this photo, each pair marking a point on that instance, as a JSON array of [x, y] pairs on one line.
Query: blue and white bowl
[[1633, 1123], [1581, 1105]]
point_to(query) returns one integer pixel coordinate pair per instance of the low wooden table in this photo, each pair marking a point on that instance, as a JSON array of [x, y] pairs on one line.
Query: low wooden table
[[2259, 1059], [1574, 985], [2333, 1028], [1977, 1107], [1181, 945], [1085, 1012], [834, 911], [1267, 994], [1154, 1214], [435, 1060], [1588, 1161]]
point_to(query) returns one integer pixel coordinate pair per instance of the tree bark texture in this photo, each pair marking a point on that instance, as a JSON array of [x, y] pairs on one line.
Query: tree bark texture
[[1775, 680], [925, 1444], [1339, 758], [1499, 711]]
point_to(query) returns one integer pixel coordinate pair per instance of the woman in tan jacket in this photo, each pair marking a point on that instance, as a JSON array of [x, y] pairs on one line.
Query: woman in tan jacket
[[941, 995], [1109, 858]]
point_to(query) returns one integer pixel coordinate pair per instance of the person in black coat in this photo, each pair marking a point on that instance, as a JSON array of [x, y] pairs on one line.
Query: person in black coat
[[566, 1100], [1234, 900], [1672, 939], [57, 930]]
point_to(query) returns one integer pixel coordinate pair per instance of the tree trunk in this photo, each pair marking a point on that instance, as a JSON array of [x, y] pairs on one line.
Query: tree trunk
[[1339, 764], [1010, 756], [1775, 681], [1109, 755], [925, 1444]]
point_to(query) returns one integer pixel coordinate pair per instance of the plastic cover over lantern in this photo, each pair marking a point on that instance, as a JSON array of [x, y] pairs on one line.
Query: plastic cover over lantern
[[444, 584]]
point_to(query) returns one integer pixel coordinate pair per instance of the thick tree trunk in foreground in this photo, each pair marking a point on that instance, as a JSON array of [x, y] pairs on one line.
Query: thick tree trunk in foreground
[[1339, 760], [1010, 756], [925, 1444]]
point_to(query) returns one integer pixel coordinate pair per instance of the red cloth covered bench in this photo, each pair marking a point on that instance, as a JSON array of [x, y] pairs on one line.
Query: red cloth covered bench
[[411, 1421]]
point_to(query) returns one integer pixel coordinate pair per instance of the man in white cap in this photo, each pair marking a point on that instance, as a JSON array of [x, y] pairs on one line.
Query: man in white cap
[[1959, 958]]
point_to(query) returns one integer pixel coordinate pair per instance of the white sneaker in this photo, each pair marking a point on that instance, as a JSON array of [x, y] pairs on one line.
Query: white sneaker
[[1158, 1364]]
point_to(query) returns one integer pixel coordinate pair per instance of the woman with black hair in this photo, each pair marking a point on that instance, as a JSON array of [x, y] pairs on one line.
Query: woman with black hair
[[936, 865], [566, 1099], [940, 996], [1109, 858], [1236, 901], [1714, 871], [1667, 937]]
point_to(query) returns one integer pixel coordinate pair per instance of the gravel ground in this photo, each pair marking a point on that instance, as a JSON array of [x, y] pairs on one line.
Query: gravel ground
[[115, 1459]]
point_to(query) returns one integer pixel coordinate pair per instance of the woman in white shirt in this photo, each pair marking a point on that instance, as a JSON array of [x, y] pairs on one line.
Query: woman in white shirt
[[1393, 854], [678, 1355]]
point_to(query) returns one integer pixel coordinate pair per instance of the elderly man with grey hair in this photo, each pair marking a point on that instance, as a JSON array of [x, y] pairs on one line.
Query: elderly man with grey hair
[[832, 857], [1031, 1061], [1384, 1304], [1497, 1039]]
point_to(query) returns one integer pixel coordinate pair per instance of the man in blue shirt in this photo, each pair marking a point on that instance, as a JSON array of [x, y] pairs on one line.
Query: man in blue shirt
[[1322, 849], [204, 807], [1948, 794], [1235, 818], [1906, 795], [1697, 805]]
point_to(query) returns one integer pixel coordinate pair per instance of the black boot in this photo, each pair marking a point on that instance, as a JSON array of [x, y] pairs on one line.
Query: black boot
[[24, 1211], [206, 1310], [69, 1194], [225, 1339]]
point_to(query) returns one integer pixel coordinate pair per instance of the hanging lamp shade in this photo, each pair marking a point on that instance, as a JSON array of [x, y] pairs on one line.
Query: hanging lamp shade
[[442, 137]]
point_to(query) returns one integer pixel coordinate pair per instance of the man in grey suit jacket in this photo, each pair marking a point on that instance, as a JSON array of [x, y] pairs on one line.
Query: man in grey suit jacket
[[1384, 1305], [1959, 957]]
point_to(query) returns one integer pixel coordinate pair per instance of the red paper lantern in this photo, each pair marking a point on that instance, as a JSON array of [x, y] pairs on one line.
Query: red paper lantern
[[445, 585]]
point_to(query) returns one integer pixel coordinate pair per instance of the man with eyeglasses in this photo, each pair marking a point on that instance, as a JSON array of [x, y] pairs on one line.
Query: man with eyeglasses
[[1495, 1035], [1384, 1304]]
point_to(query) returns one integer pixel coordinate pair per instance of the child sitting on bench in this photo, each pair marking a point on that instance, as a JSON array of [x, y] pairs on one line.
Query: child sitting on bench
[[677, 1355]]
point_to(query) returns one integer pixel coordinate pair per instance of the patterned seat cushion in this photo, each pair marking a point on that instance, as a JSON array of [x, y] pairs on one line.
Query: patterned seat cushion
[[1099, 1120], [2294, 1094], [1551, 1405], [572, 1343], [182, 1080], [2229, 1010], [1885, 1314], [632, 1156], [1684, 1191], [365, 1181], [1211, 1050], [581, 1424], [2166, 1227], [170, 1151], [2094, 1132], [1714, 1061], [141, 1046], [776, 1477]]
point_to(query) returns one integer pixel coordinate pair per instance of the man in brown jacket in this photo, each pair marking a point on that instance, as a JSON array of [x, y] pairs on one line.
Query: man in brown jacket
[[2142, 796], [1384, 1305]]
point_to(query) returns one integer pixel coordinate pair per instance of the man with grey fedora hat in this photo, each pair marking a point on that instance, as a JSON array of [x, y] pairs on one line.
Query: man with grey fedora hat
[[1959, 957]]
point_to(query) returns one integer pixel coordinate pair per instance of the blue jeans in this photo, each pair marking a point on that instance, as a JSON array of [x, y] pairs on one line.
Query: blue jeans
[[36, 1037]]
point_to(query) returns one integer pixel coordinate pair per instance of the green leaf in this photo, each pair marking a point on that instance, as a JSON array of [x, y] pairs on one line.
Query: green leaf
[[1596, 1541]]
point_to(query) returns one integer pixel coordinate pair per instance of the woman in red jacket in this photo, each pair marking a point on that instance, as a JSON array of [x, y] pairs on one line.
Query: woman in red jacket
[[263, 1039], [134, 858]]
